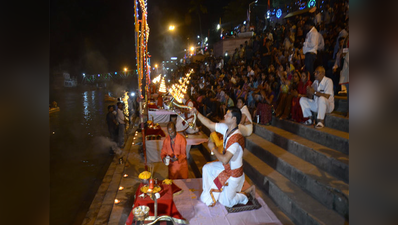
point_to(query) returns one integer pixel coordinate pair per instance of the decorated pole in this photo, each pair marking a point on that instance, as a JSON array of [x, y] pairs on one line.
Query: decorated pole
[[141, 39]]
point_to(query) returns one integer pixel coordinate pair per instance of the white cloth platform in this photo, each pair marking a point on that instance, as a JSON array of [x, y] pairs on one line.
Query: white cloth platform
[[160, 115], [154, 147], [196, 212]]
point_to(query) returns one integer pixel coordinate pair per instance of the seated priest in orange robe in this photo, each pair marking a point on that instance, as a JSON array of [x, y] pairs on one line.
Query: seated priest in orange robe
[[174, 146]]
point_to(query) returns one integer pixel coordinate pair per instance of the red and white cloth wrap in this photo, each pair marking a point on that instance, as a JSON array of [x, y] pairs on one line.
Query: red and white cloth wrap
[[222, 178]]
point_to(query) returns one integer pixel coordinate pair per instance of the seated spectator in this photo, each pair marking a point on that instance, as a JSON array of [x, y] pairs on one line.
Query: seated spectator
[[323, 102], [264, 106], [245, 125], [285, 103], [297, 113], [274, 84], [228, 103]]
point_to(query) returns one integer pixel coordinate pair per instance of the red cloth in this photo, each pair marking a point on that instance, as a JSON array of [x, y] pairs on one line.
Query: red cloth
[[158, 131], [152, 106], [297, 113], [166, 204], [178, 169]]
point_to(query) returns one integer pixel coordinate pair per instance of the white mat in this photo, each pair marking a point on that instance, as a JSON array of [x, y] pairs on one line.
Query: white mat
[[196, 212]]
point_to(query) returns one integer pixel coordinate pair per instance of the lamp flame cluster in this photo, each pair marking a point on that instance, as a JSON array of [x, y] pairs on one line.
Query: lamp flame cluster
[[179, 89], [162, 88], [157, 79]]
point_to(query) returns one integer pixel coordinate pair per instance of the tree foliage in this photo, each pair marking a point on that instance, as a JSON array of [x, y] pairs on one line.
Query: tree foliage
[[235, 12]]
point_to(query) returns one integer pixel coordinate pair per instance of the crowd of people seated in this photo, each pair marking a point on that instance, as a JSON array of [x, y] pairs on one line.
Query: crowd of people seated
[[287, 70]]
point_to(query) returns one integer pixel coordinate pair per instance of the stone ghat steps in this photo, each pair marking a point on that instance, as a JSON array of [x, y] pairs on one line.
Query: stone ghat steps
[[329, 160], [331, 138], [290, 198], [341, 104], [337, 121], [322, 186]]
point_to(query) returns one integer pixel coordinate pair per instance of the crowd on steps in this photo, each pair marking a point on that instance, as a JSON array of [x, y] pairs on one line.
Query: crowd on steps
[[288, 70]]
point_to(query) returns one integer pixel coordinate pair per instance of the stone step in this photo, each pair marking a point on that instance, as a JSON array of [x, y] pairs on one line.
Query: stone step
[[322, 186], [294, 202], [196, 160], [326, 136], [340, 104], [270, 203], [285, 220], [330, 160], [337, 121]]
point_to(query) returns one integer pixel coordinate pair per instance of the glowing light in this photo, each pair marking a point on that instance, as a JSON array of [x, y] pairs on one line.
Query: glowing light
[[125, 69], [116, 201], [125, 175], [192, 48], [218, 26], [157, 79], [133, 94], [226, 53], [156, 65], [279, 13], [171, 27], [198, 36], [162, 87], [268, 14], [121, 188], [311, 3]]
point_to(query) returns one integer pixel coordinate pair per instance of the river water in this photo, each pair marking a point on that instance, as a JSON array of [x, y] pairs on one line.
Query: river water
[[79, 150]]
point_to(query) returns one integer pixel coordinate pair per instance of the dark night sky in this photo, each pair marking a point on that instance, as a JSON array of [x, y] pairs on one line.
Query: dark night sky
[[96, 36]]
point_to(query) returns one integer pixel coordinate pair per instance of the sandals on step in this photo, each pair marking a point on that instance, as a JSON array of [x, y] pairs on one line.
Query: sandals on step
[[319, 125], [308, 122]]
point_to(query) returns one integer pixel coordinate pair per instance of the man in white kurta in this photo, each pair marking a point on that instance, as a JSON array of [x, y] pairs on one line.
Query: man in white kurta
[[323, 102], [223, 180]]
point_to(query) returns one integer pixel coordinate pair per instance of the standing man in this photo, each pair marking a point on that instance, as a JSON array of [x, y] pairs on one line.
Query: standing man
[[229, 168], [310, 46], [323, 102], [122, 124], [174, 154], [112, 124]]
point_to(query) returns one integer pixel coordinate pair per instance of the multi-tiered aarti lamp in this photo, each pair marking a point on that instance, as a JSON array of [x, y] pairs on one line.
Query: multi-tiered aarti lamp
[[177, 91]]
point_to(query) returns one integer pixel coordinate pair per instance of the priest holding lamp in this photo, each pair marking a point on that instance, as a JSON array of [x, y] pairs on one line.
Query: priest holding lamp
[[174, 153]]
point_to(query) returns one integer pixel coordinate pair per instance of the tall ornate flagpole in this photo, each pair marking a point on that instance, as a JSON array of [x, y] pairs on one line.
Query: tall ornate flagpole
[[141, 40]]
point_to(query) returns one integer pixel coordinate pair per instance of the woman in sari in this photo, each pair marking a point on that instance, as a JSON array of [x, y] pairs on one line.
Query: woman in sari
[[297, 113]]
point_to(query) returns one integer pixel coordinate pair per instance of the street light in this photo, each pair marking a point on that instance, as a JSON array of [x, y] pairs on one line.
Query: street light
[[249, 9], [192, 48], [171, 27], [125, 69]]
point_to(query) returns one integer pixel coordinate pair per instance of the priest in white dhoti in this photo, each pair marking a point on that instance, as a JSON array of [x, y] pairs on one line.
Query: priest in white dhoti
[[181, 125], [223, 180]]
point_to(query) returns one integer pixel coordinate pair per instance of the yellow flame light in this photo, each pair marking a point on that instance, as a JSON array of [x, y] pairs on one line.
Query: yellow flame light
[[179, 89], [157, 79]]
